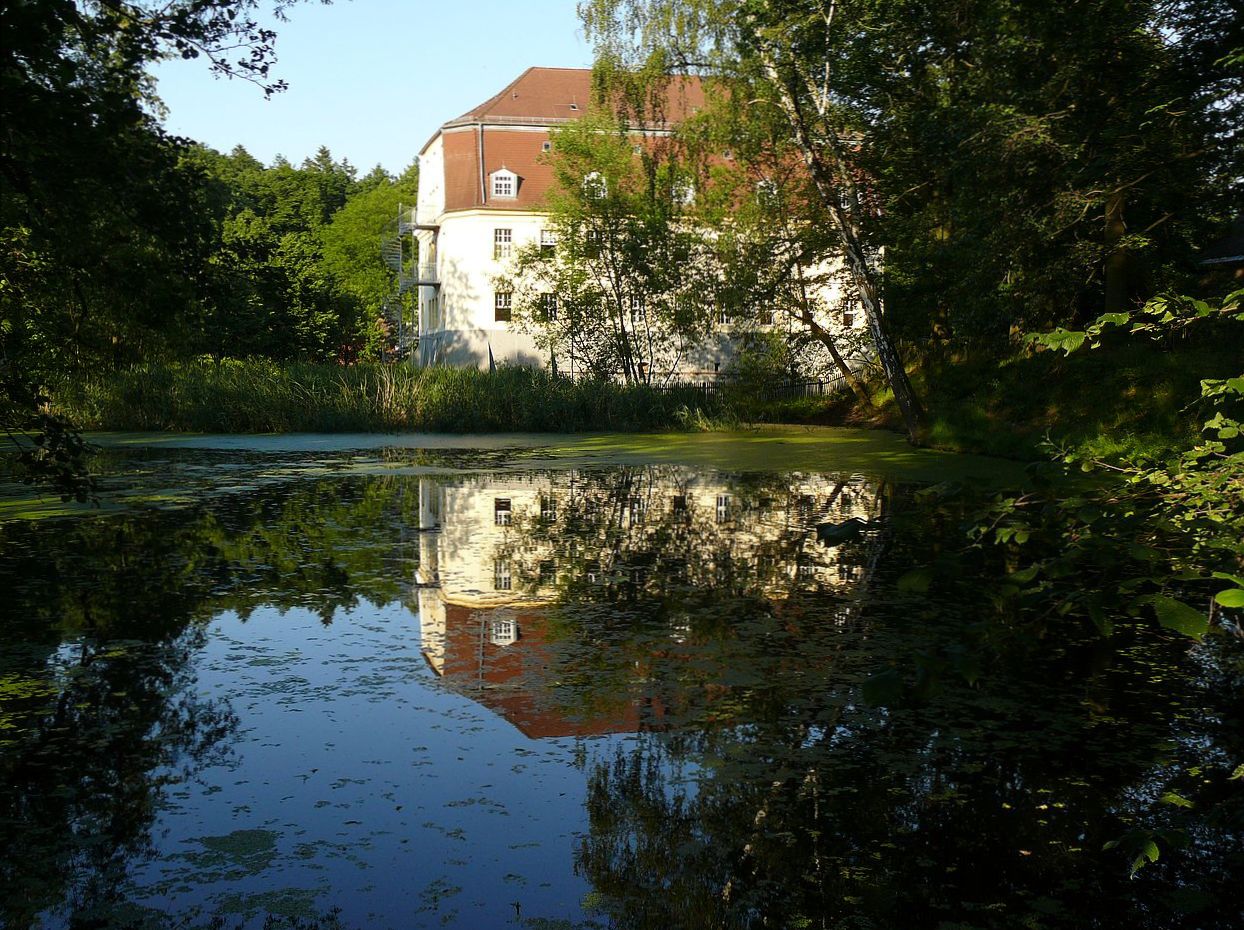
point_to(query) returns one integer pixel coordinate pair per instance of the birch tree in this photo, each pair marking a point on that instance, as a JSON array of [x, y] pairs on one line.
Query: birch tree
[[788, 55]]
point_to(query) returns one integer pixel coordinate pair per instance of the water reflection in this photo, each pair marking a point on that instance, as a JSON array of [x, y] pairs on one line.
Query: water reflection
[[622, 697], [507, 566]]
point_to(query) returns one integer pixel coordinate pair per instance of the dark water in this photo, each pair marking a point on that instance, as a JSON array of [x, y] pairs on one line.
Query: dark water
[[613, 697]]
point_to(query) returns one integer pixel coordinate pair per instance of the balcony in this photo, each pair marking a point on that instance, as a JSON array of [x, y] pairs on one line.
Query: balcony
[[427, 275]]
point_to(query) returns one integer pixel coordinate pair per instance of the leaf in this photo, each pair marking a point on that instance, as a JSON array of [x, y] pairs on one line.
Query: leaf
[[1177, 800], [1148, 853], [883, 689], [1224, 576], [1231, 597], [1025, 575], [1178, 616]]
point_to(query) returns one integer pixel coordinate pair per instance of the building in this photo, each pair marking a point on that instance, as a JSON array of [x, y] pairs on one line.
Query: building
[[483, 178]]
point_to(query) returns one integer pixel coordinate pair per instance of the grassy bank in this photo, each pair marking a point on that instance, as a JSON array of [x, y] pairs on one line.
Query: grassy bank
[[256, 396], [1128, 397]]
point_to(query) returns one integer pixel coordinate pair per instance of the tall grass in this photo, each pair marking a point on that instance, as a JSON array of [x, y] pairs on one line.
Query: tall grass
[[259, 396]]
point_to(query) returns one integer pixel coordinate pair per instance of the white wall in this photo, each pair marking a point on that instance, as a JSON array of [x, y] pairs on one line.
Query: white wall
[[430, 203]]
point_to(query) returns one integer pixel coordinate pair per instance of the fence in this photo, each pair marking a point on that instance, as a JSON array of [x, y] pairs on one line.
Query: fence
[[779, 390]]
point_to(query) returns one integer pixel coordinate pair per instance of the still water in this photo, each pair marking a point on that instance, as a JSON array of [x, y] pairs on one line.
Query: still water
[[465, 691]]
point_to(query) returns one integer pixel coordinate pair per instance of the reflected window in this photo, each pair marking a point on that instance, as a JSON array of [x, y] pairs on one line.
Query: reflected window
[[548, 571], [501, 514], [502, 579], [678, 506], [723, 508], [502, 631], [593, 573], [638, 509], [548, 510]]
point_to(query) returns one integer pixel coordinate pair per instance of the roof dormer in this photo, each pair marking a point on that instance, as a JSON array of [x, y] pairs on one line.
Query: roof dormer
[[503, 184]]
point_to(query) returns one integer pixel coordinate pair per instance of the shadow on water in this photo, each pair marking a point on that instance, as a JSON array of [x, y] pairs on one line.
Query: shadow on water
[[631, 696]]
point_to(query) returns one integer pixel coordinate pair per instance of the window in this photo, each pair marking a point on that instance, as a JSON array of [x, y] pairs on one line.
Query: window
[[723, 508], [501, 513], [595, 186], [546, 146], [502, 242], [723, 317], [684, 192], [848, 317], [501, 577], [548, 241], [548, 307], [636, 305], [502, 631], [767, 192], [764, 316], [503, 304], [504, 183], [593, 243]]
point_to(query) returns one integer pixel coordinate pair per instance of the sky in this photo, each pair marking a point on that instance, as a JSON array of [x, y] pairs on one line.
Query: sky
[[373, 79]]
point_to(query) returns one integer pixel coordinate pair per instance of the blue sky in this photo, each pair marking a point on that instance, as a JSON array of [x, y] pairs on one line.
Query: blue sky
[[372, 79]]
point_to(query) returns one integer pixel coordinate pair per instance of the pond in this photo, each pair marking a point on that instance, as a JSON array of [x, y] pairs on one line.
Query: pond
[[603, 682]]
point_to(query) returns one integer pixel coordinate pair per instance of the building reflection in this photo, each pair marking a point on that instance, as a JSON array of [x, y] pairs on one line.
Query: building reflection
[[504, 559]]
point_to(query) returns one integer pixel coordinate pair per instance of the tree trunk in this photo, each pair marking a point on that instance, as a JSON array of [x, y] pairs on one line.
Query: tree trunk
[[831, 186], [1115, 270], [818, 331]]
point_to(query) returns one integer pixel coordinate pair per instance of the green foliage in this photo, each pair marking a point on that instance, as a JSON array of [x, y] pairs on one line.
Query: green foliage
[[1155, 528], [297, 269]]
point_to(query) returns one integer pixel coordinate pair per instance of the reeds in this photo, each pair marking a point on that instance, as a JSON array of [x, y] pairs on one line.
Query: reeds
[[261, 396]]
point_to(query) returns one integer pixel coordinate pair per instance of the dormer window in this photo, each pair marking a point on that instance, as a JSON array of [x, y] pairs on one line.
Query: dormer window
[[504, 183]]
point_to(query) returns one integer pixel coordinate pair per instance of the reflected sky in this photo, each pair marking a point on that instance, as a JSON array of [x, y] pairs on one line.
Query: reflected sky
[[625, 696]]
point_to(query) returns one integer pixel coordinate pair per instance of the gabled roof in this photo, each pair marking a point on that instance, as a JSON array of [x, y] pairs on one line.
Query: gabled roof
[[543, 96]]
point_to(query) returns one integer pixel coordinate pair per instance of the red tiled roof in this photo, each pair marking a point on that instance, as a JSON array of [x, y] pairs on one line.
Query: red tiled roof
[[538, 97], [550, 95]]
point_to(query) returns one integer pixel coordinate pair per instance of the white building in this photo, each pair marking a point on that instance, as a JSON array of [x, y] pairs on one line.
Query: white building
[[483, 178]]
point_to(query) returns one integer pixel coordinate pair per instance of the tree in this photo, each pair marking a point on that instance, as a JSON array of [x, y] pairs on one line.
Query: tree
[[99, 220], [632, 284], [1018, 165], [351, 248]]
